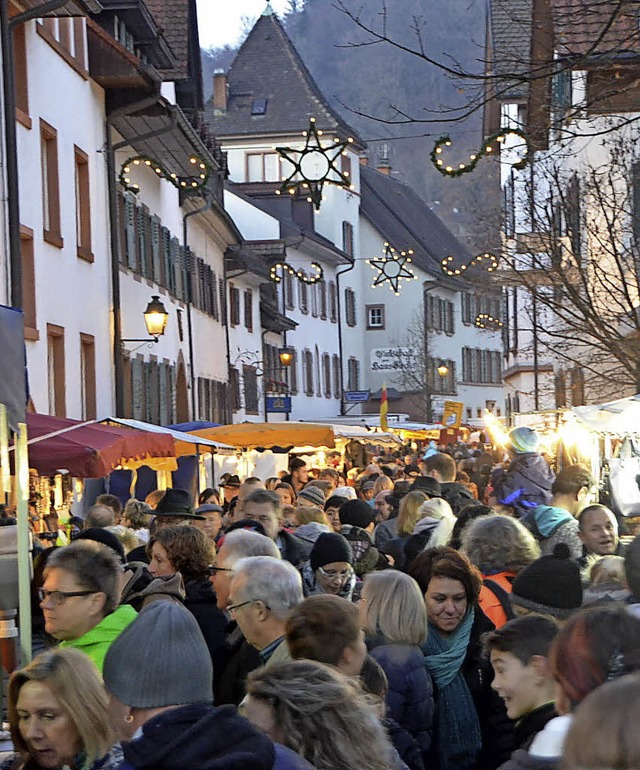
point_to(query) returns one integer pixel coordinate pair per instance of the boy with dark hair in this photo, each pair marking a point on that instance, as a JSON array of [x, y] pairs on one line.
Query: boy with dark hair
[[522, 678], [442, 468]]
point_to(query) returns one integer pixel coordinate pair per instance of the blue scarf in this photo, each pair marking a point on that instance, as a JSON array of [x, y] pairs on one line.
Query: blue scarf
[[458, 735]]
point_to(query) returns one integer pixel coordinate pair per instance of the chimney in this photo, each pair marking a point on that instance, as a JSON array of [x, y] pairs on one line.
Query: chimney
[[384, 167], [219, 91]]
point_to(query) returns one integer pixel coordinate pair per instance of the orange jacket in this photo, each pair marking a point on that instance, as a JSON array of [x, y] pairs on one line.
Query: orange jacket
[[489, 602]]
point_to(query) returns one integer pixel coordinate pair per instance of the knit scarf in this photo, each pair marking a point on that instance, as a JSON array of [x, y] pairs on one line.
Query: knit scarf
[[458, 729]]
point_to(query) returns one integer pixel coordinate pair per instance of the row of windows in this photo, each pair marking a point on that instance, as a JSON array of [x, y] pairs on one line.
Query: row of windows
[[271, 167], [320, 299], [481, 366], [475, 304], [148, 248], [240, 309]]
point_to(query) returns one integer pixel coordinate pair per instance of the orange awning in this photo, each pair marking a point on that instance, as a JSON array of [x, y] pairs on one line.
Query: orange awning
[[250, 435]]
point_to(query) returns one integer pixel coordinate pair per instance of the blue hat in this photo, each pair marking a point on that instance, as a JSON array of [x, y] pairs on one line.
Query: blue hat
[[523, 439]]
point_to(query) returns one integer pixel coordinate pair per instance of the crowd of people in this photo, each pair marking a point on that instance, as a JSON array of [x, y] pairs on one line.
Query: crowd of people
[[448, 610]]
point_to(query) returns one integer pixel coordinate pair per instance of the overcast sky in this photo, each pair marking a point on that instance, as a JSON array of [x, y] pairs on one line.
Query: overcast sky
[[221, 21]]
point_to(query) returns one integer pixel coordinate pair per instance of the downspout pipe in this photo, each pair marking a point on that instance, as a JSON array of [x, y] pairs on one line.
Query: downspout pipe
[[118, 363], [192, 378], [340, 346]]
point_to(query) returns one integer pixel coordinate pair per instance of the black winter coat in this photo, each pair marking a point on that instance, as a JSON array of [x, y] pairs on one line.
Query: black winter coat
[[410, 693], [200, 600], [457, 495], [237, 659], [294, 549], [496, 727], [529, 725]]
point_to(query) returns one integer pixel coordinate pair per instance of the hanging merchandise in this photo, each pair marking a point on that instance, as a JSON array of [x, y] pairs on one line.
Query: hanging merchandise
[[624, 478]]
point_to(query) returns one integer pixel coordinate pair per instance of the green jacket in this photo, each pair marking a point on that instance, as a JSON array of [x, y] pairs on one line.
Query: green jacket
[[97, 641]]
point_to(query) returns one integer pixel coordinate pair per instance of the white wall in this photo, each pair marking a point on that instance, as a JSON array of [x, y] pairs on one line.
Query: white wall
[[70, 292]]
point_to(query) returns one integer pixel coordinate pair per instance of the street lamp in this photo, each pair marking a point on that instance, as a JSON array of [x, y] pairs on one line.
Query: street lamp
[[286, 357], [155, 319], [443, 370]]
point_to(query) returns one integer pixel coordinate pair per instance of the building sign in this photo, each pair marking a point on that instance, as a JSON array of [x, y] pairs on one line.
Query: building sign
[[452, 414], [356, 396], [278, 404], [393, 359]]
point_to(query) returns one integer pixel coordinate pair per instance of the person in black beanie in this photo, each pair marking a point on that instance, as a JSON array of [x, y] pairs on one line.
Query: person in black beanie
[[551, 585], [358, 522], [330, 567]]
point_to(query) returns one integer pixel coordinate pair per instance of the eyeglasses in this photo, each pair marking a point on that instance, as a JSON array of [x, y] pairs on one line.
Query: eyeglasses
[[231, 609], [331, 575], [60, 597], [212, 569]]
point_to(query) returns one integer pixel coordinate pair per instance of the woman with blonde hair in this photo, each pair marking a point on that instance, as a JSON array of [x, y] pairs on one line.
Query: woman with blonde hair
[[58, 715], [319, 713], [500, 547], [394, 619], [408, 517], [382, 484]]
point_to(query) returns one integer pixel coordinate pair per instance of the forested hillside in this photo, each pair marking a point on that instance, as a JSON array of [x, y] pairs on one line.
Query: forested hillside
[[358, 77]]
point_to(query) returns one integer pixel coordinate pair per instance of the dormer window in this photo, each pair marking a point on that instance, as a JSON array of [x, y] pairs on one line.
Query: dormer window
[[259, 106], [122, 34]]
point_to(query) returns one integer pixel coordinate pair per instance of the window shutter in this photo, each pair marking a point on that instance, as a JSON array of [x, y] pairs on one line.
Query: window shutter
[[223, 301], [122, 227], [292, 373], [156, 256], [175, 278], [137, 389], [131, 219]]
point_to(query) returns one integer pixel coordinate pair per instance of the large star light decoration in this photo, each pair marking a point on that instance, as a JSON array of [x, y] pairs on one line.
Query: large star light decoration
[[392, 267], [314, 166]]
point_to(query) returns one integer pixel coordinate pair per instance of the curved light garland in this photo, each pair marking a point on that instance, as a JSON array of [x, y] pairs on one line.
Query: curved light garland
[[487, 260], [189, 183], [447, 169], [274, 271], [486, 321]]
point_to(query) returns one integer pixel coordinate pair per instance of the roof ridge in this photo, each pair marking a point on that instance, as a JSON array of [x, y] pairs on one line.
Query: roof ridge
[[404, 224], [308, 81]]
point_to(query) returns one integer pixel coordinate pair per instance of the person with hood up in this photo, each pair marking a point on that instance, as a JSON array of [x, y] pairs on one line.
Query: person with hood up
[[433, 528], [158, 681], [528, 480]]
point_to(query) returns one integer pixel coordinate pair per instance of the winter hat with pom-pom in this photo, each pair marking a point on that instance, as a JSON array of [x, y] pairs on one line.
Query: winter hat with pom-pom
[[551, 585]]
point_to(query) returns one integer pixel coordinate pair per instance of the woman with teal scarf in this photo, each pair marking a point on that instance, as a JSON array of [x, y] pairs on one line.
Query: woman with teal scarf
[[472, 730]]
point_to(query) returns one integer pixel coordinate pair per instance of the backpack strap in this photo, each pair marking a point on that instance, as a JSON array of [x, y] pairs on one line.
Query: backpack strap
[[502, 596]]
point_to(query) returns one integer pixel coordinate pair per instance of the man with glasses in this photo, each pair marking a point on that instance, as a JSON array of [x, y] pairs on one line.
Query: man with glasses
[[79, 598], [237, 657], [264, 591]]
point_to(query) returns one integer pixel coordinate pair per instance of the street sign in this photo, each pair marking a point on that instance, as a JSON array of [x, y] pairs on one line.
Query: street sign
[[278, 404], [356, 396], [452, 415]]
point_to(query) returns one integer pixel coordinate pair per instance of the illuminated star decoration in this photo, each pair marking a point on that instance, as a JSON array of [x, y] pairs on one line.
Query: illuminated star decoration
[[486, 321], [487, 260], [314, 166], [464, 168], [392, 267], [299, 274], [189, 183]]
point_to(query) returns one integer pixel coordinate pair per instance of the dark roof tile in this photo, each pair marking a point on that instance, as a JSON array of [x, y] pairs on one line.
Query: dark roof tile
[[400, 215], [267, 66], [173, 18]]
